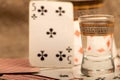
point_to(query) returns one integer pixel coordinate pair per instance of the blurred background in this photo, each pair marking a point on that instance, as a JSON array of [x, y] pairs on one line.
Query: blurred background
[[14, 26]]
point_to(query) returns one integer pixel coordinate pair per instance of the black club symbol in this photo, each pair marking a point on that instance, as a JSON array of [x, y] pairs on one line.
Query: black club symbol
[[34, 16], [42, 55], [100, 78], [69, 49], [60, 56], [116, 78], [51, 32], [60, 11], [42, 10]]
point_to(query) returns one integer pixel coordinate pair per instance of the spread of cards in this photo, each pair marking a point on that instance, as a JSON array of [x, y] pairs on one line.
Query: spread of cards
[[55, 49]]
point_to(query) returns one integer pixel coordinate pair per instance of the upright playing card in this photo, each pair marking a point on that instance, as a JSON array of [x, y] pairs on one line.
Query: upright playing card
[[78, 51], [51, 34]]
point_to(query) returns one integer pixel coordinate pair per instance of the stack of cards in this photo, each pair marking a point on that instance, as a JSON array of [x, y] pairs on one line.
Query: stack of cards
[[24, 77], [16, 66], [19, 69]]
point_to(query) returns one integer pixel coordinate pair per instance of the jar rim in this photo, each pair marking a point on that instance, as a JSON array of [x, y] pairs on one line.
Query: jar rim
[[97, 17]]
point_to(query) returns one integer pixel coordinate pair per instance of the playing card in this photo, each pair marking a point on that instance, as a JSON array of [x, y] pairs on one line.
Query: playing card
[[101, 77], [16, 66], [51, 34], [25, 77], [78, 51], [117, 64], [111, 76], [77, 71], [61, 74], [105, 45]]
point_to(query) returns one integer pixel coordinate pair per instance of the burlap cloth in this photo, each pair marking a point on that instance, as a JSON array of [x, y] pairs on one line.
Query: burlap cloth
[[14, 28]]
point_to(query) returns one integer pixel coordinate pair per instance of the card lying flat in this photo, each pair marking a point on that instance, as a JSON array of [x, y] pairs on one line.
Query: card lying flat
[[61, 74], [16, 66], [25, 77], [51, 34]]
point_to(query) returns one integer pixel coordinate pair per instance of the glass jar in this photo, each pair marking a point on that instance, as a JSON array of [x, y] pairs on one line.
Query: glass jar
[[97, 38]]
